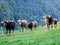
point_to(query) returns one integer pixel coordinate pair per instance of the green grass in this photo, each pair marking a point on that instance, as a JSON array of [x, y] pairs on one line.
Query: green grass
[[41, 36]]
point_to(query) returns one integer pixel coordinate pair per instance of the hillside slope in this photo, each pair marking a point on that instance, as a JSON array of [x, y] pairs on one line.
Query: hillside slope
[[41, 36], [25, 9]]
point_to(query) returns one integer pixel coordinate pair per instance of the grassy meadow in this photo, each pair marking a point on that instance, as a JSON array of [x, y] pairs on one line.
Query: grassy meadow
[[41, 36]]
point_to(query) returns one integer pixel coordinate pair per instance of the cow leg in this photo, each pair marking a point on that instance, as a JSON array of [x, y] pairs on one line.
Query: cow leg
[[6, 31], [35, 28], [48, 26], [22, 30], [13, 32], [55, 25], [31, 29], [52, 26], [9, 32]]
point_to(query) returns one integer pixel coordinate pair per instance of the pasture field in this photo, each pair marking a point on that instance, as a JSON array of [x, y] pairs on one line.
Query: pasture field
[[41, 36]]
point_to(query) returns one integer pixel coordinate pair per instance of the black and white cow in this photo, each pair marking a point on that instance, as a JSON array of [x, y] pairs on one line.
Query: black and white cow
[[9, 25], [32, 25]]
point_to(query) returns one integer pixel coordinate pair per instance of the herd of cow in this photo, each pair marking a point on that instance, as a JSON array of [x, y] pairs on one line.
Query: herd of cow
[[10, 26]]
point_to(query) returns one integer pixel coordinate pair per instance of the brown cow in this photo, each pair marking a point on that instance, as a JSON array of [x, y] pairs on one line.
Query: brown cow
[[23, 24], [49, 21]]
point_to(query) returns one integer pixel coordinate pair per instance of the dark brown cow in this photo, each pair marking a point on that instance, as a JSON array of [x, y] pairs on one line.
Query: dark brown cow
[[32, 25], [49, 21], [9, 26], [23, 24]]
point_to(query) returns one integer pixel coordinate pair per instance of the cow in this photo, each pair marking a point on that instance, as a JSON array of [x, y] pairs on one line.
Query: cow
[[48, 21], [55, 22], [23, 24], [32, 25], [9, 25]]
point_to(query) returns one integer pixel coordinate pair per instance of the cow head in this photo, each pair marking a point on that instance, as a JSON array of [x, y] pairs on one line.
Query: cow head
[[46, 16], [5, 21]]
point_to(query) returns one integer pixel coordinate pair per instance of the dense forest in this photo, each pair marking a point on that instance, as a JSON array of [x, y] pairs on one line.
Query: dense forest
[[29, 9]]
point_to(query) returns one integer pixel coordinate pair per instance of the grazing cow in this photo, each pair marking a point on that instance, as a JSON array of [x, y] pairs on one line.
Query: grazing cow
[[32, 25], [9, 26], [23, 24], [49, 21], [55, 22]]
